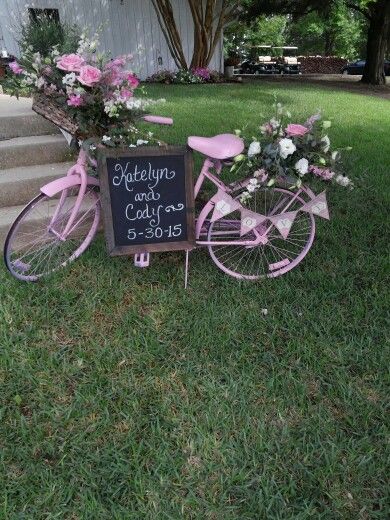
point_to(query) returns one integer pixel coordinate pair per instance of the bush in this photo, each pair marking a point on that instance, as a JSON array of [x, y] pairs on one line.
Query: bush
[[187, 77], [42, 34]]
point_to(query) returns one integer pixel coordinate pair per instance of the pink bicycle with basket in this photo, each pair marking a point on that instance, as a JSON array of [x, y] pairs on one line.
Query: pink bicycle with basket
[[245, 241]]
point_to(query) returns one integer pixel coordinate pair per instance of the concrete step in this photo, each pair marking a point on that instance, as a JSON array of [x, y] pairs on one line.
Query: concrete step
[[18, 120], [20, 185], [28, 151]]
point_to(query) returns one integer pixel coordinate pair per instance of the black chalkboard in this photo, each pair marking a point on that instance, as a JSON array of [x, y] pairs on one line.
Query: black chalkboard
[[147, 199]]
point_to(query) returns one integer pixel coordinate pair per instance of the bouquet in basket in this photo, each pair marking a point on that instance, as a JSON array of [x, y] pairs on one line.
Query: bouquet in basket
[[291, 154], [85, 93]]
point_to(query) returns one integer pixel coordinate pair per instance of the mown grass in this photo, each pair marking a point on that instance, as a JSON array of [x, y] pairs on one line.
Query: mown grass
[[126, 397]]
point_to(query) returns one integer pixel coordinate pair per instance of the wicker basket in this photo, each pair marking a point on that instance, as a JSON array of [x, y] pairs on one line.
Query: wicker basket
[[50, 109]]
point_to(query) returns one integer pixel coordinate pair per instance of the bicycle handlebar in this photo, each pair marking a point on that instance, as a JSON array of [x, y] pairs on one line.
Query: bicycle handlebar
[[159, 120]]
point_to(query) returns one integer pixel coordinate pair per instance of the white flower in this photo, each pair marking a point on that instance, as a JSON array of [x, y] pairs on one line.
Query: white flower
[[264, 312], [253, 181], [274, 123], [132, 146], [40, 82], [69, 79], [286, 148], [92, 147], [335, 155], [302, 166], [342, 180], [251, 188], [326, 143], [140, 142], [254, 149], [106, 138]]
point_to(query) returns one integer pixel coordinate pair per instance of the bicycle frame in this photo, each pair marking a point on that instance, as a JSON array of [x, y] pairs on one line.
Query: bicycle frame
[[77, 175]]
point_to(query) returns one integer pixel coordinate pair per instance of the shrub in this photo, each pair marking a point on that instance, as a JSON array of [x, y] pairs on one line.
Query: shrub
[[187, 77], [44, 33]]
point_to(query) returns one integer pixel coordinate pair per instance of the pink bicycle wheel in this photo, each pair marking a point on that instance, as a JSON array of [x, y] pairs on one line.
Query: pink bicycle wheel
[[274, 258], [33, 247]]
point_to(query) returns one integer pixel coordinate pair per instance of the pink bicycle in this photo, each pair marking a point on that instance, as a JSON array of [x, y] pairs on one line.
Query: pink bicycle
[[58, 225]]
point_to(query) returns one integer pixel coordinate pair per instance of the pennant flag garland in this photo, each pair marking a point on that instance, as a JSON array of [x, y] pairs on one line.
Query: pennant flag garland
[[250, 220], [283, 222], [318, 206], [224, 204]]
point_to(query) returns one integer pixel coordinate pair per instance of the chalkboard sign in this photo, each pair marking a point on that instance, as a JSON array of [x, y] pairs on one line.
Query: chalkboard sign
[[147, 199]]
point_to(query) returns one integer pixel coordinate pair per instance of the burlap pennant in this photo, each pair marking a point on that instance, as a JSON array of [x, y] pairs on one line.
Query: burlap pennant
[[318, 206], [249, 220], [283, 222], [224, 204]]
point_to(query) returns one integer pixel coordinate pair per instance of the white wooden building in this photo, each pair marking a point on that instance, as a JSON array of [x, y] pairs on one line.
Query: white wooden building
[[128, 26]]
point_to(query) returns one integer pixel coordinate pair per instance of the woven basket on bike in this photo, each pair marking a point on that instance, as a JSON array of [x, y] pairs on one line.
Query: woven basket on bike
[[49, 108]]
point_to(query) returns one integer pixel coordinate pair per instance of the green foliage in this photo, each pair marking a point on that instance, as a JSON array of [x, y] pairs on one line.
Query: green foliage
[[331, 29], [263, 30], [43, 34], [340, 32]]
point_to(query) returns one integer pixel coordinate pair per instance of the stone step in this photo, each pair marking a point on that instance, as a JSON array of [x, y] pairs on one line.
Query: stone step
[[20, 185], [28, 151], [18, 120]]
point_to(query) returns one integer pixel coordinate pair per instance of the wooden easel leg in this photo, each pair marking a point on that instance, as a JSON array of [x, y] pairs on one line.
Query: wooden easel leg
[[187, 267]]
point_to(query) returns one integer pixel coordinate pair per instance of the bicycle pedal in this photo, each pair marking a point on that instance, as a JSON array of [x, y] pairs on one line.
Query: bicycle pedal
[[142, 260]]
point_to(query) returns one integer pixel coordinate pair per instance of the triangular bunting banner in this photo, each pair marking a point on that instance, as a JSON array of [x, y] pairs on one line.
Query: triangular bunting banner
[[318, 206], [250, 220], [224, 204], [283, 222]]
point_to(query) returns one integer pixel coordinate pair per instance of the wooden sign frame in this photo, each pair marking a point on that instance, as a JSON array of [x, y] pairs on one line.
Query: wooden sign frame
[[105, 197]]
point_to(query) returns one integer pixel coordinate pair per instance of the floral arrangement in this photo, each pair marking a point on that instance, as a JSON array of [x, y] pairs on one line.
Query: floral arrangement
[[184, 76], [96, 92], [288, 153]]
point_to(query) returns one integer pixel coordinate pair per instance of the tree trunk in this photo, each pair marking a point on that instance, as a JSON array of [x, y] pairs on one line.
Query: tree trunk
[[377, 43]]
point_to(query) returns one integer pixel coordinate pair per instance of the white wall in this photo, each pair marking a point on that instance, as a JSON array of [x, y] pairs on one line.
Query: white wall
[[128, 26]]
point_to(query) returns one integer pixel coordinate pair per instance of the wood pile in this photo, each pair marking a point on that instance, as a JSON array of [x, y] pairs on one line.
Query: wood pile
[[322, 64]]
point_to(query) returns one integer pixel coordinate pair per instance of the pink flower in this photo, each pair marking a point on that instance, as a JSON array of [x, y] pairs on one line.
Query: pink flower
[[126, 93], [113, 77], [89, 75], [75, 100], [132, 80], [324, 173], [296, 130], [117, 62], [70, 62], [312, 119], [15, 67]]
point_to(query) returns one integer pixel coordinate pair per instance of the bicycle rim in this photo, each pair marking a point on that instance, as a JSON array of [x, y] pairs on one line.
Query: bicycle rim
[[33, 247]]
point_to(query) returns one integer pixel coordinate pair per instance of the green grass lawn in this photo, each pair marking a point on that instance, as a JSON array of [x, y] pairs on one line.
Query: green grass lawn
[[126, 397]]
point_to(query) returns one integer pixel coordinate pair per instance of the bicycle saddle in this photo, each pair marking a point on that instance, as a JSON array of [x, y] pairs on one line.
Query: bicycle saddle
[[223, 146]]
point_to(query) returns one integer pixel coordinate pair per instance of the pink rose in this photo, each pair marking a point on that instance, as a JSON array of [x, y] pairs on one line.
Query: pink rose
[[75, 100], [89, 75], [297, 130], [70, 62], [132, 80], [15, 67]]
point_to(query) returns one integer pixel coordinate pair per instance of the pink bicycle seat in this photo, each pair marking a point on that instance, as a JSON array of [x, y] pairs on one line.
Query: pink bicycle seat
[[223, 146]]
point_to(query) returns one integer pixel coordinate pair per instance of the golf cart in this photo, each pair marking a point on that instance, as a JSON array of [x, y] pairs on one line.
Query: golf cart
[[287, 62], [260, 64]]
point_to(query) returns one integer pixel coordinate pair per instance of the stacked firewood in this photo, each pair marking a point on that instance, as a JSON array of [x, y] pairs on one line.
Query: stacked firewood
[[322, 64]]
